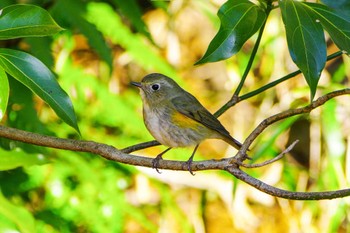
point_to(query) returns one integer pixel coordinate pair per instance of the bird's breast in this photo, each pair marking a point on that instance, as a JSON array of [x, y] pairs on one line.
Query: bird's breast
[[172, 128]]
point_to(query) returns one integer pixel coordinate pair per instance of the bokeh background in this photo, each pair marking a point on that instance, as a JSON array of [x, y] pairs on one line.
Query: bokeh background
[[103, 48]]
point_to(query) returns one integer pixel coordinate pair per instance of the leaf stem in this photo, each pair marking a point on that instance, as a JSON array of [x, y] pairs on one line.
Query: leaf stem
[[284, 78], [236, 99], [251, 59]]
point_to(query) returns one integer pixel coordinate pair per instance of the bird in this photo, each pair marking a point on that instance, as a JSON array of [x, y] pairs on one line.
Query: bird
[[175, 118]]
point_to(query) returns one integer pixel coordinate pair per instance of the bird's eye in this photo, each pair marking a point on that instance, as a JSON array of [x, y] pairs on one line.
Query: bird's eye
[[155, 87]]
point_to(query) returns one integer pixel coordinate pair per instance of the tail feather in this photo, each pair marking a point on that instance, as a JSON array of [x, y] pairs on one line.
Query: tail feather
[[233, 142]]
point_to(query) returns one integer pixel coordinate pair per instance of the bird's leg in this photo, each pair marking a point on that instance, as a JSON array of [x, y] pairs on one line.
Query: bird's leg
[[155, 161], [190, 160]]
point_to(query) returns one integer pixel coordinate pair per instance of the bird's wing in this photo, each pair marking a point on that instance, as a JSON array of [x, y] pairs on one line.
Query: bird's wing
[[189, 106]]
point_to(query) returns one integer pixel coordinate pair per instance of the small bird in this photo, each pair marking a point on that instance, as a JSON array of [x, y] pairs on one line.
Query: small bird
[[175, 118]]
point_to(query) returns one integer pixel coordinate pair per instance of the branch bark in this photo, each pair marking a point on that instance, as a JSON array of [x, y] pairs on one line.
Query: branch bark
[[228, 164]]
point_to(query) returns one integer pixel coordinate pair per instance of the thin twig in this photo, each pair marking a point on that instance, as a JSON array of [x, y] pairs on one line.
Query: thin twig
[[236, 99], [280, 80], [140, 146], [278, 157]]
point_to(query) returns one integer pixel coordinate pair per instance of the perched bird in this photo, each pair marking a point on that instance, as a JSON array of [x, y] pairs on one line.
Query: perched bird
[[176, 118]]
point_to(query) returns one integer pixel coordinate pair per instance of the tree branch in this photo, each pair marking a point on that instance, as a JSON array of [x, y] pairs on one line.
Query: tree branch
[[228, 164], [278, 157], [106, 151]]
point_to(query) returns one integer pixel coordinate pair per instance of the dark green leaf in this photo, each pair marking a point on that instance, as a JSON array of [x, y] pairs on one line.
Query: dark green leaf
[[240, 19], [26, 20], [4, 92], [336, 4], [26, 116], [306, 42], [38, 48], [337, 26], [341, 6], [37, 77]]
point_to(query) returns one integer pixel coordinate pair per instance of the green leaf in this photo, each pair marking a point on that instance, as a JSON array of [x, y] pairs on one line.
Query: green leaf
[[341, 6], [19, 215], [4, 92], [306, 42], [38, 48], [37, 77], [240, 19], [337, 4], [335, 24], [26, 20]]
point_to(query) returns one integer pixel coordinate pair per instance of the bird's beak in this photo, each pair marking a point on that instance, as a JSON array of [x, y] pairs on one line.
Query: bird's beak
[[136, 84]]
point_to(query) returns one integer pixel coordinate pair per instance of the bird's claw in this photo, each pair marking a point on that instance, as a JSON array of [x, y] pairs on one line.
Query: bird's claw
[[188, 163], [155, 162]]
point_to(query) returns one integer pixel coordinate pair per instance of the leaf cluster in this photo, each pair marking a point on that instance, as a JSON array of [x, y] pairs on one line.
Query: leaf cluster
[[304, 24]]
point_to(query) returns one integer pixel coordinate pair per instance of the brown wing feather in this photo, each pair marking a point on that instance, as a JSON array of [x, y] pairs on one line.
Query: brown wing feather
[[188, 105]]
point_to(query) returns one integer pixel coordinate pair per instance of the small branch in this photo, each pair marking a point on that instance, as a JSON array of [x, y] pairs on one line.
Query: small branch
[[235, 99], [280, 80], [278, 157], [140, 146]]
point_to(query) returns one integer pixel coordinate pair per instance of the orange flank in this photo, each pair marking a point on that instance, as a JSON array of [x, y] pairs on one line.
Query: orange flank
[[185, 122]]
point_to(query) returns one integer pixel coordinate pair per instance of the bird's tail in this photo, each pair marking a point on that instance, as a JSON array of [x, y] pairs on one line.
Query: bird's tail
[[233, 142]]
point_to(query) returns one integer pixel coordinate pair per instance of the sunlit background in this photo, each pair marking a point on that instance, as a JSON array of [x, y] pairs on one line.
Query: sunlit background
[[63, 191]]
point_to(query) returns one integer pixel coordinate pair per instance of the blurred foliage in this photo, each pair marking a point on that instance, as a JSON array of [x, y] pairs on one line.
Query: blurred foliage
[[107, 44]]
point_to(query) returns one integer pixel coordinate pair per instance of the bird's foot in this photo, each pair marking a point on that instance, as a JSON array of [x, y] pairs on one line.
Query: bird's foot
[[155, 162], [188, 163]]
